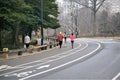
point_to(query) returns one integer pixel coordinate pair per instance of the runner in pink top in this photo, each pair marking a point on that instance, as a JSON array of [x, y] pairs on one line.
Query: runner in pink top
[[72, 37]]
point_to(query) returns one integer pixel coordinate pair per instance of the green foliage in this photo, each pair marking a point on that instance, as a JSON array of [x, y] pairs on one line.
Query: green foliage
[[52, 9], [27, 12], [23, 16], [49, 7]]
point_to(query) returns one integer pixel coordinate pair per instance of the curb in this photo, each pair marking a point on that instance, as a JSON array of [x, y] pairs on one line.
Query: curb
[[28, 54]]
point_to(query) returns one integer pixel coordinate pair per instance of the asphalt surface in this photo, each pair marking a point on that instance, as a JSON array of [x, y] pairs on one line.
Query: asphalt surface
[[91, 59]]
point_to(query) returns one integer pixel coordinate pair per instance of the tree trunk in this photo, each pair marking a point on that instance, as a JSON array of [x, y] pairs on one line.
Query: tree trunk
[[0, 40], [30, 32], [23, 38], [94, 24], [13, 37], [17, 35]]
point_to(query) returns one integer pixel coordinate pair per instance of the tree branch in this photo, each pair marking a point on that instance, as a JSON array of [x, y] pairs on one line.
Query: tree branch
[[100, 5], [82, 4]]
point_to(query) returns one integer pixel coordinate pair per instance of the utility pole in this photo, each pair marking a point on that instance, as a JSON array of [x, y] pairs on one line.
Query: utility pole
[[41, 11]]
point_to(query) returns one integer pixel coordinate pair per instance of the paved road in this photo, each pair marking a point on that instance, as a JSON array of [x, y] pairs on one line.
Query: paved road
[[90, 59]]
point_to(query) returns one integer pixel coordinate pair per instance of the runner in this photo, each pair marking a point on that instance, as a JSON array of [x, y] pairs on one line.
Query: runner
[[60, 39], [72, 37]]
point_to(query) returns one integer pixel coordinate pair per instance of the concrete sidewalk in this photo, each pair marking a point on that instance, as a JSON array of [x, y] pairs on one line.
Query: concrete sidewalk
[[14, 55]]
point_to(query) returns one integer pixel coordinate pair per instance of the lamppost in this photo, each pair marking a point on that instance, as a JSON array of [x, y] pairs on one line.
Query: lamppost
[[41, 11]]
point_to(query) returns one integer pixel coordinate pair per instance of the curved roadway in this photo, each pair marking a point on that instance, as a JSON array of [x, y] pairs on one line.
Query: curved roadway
[[90, 59]]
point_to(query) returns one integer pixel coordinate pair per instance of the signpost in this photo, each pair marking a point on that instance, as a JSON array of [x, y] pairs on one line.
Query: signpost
[[41, 9]]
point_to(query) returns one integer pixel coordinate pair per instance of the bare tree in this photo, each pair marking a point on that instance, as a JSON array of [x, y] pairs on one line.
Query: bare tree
[[103, 22], [94, 6], [116, 22]]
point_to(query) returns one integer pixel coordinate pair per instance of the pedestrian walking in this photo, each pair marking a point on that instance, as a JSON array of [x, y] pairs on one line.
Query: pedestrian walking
[[27, 41], [65, 37], [60, 38], [72, 37]]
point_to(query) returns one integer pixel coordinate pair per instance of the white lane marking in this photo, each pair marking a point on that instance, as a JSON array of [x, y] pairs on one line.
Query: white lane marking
[[115, 78], [62, 64], [44, 66], [38, 60], [24, 74], [108, 42], [6, 67], [21, 74], [2, 67], [42, 63]]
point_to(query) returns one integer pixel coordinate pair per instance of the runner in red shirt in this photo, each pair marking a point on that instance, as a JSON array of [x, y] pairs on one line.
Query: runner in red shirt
[[60, 38]]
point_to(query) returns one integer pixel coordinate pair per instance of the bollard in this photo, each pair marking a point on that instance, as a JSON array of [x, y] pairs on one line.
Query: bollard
[[46, 47], [50, 45], [39, 49], [19, 53], [5, 53], [31, 49]]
